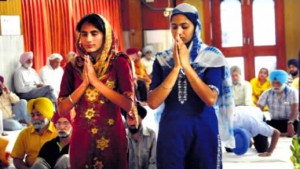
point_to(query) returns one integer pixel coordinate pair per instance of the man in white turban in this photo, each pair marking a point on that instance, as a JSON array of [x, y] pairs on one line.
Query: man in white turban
[[51, 74], [148, 59], [27, 82], [282, 101]]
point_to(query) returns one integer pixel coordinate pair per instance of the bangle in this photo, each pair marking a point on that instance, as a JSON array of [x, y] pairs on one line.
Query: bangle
[[71, 100], [290, 122], [167, 88]]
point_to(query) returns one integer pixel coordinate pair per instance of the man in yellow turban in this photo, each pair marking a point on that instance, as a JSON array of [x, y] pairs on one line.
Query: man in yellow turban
[[33, 137]]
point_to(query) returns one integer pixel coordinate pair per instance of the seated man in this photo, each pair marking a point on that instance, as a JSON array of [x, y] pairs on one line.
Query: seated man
[[13, 109], [141, 142], [27, 82], [282, 101], [32, 138], [250, 119], [148, 59], [242, 91], [51, 74], [293, 79], [55, 153]]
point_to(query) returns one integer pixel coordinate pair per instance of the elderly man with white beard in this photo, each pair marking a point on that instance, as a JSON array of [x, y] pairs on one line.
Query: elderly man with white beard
[[51, 74], [282, 101], [33, 137], [55, 153], [28, 84]]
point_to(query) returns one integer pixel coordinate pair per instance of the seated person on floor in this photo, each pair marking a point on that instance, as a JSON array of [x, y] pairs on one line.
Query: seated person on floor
[[242, 91], [51, 74], [148, 59], [251, 120], [55, 153], [27, 82], [260, 84], [282, 102], [14, 109], [141, 139], [293, 79], [32, 138]]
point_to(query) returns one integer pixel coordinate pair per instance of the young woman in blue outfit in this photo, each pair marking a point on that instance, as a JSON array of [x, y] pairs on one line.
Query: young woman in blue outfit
[[193, 80]]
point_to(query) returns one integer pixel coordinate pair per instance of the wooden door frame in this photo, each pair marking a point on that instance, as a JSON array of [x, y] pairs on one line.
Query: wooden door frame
[[248, 51]]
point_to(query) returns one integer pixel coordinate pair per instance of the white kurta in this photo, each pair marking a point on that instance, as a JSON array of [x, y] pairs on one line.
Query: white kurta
[[26, 79], [52, 77], [242, 93], [148, 64]]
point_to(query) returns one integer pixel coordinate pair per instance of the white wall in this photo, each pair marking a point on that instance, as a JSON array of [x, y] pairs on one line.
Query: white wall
[[159, 39], [11, 47]]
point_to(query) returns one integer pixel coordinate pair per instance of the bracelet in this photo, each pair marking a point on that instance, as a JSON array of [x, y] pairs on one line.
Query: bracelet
[[71, 100], [167, 88], [290, 122]]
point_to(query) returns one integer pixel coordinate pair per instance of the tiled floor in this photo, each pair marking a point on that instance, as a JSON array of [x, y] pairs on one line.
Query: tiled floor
[[280, 158]]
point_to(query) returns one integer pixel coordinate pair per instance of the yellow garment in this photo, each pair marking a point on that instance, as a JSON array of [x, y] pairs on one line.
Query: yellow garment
[[42, 105], [29, 143], [6, 102], [295, 83], [141, 72], [3, 154], [258, 89]]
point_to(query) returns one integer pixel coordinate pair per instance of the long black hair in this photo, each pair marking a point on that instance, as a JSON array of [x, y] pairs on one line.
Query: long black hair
[[93, 19]]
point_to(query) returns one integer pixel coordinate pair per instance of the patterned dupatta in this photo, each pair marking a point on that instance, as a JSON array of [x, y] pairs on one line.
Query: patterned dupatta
[[206, 57], [107, 53]]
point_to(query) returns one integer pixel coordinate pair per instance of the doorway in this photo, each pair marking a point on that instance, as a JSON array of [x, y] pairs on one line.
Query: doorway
[[250, 33]]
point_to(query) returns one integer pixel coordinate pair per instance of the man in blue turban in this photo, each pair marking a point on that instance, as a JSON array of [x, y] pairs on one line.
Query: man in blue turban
[[282, 101]]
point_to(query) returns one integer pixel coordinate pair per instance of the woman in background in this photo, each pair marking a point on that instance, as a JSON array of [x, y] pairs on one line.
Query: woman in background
[[260, 84]]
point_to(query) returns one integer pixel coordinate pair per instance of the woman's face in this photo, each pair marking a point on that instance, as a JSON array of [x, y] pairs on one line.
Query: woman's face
[[182, 26], [91, 37], [263, 74]]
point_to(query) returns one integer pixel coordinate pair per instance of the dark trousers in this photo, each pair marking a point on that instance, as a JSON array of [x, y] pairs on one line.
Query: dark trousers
[[261, 144], [141, 91], [281, 125]]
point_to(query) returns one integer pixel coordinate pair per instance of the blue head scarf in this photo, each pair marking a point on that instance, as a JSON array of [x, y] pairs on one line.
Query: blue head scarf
[[192, 14]]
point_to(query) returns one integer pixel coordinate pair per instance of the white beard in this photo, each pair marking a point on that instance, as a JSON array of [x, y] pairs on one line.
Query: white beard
[[38, 125], [280, 89], [64, 134], [27, 65]]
